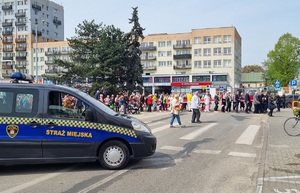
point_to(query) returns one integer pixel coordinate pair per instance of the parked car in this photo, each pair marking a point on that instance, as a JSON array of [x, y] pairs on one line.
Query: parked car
[[289, 98]]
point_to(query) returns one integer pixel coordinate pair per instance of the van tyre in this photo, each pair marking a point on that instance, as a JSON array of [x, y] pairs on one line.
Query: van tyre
[[114, 155]]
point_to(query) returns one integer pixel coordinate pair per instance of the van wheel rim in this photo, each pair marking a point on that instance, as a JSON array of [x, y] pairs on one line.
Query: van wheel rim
[[113, 156]]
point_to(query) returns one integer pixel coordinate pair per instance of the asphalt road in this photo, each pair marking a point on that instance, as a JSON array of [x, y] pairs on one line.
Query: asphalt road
[[221, 154]]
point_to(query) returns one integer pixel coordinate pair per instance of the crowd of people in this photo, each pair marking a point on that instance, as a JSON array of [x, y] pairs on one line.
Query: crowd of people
[[258, 102]]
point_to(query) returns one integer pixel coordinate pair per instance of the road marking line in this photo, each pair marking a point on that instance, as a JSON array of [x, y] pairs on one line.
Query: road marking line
[[207, 151], [105, 180], [37, 180], [172, 148], [196, 133], [248, 135], [160, 128], [240, 154]]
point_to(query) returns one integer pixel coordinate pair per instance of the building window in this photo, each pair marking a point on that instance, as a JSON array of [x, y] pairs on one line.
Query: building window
[[200, 78], [180, 79], [161, 44], [227, 38], [219, 77], [207, 40], [217, 52], [207, 51], [206, 64], [169, 43], [197, 40], [161, 79], [226, 63], [227, 51], [197, 64], [147, 79], [169, 53], [169, 63], [217, 64], [162, 63], [197, 52], [217, 39], [161, 53]]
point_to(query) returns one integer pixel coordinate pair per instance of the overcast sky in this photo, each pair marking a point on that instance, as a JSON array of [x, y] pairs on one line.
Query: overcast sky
[[259, 22]]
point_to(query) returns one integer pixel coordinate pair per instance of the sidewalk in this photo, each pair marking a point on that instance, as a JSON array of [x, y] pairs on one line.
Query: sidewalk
[[279, 169]]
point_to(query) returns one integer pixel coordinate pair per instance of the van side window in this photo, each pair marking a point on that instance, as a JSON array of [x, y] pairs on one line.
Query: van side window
[[24, 103], [18, 102], [6, 102], [64, 105]]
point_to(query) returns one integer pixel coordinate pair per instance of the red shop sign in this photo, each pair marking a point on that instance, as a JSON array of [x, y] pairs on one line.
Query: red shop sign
[[190, 83]]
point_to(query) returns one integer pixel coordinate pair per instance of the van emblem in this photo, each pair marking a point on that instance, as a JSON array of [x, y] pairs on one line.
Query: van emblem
[[12, 130]]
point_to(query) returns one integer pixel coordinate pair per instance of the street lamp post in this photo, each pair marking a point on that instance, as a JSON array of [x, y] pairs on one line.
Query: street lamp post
[[36, 51], [36, 54]]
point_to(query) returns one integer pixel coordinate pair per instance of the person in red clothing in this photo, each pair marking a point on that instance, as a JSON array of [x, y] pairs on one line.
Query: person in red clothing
[[149, 102], [251, 101]]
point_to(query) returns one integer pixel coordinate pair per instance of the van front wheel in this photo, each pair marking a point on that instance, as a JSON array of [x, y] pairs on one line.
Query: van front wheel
[[114, 155]]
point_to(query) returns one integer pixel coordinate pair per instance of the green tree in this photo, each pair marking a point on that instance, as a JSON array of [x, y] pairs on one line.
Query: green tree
[[252, 68], [98, 54], [134, 68], [283, 62]]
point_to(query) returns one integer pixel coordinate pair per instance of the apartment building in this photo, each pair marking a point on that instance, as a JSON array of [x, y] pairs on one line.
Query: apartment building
[[198, 60], [24, 21]]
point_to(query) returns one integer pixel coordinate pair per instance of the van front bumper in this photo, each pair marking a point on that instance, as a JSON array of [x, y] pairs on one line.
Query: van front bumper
[[145, 147]]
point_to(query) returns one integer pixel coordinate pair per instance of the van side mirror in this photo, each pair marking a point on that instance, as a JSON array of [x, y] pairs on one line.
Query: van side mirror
[[89, 116]]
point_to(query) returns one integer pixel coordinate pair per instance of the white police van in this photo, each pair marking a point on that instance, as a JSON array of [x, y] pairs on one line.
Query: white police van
[[39, 124]]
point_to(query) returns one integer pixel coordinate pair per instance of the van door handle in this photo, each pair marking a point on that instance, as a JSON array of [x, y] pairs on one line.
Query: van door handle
[[50, 125], [34, 124]]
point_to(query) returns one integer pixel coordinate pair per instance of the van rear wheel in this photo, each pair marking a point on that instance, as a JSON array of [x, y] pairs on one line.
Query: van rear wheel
[[114, 155]]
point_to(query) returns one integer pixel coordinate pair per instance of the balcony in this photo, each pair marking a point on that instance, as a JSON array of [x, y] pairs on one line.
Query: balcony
[[7, 74], [7, 50], [183, 66], [56, 22], [7, 66], [51, 53], [7, 24], [53, 71], [8, 32], [182, 56], [21, 57], [7, 41], [20, 23], [21, 48], [65, 52], [20, 14], [148, 58], [36, 7], [148, 48], [20, 66], [39, 33], [21, 40], [8, 58], [149, 67], [50, 62], [182, 46], [6, 7]]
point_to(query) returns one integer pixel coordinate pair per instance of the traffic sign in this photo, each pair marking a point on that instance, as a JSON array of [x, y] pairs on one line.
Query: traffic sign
[[293, 82], [277, 83]]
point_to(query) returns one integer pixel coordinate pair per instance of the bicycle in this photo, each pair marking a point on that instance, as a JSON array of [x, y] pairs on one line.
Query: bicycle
[[291, 126]]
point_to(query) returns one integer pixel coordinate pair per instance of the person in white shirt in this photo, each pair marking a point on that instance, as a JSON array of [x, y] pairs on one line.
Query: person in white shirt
[[206, 102], [195, 104]]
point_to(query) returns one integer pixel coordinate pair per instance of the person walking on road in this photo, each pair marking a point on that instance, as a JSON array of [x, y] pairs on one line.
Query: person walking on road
[[247, 101], [175, 109], [195, 105]]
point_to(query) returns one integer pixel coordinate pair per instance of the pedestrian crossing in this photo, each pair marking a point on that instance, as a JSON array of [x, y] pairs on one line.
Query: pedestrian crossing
[[246, 138]]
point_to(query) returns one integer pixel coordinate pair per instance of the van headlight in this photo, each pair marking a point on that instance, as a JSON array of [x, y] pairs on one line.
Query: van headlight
[[139, 127]]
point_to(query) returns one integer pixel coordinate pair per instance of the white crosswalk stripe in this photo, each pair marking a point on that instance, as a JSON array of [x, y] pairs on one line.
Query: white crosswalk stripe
[[198, 132], [248, 135]]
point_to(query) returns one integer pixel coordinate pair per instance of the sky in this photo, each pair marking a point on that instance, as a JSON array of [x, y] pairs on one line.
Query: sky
[[260, 23]]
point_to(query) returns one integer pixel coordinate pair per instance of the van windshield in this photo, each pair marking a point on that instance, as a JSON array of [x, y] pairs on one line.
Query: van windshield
[[97, 103]]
